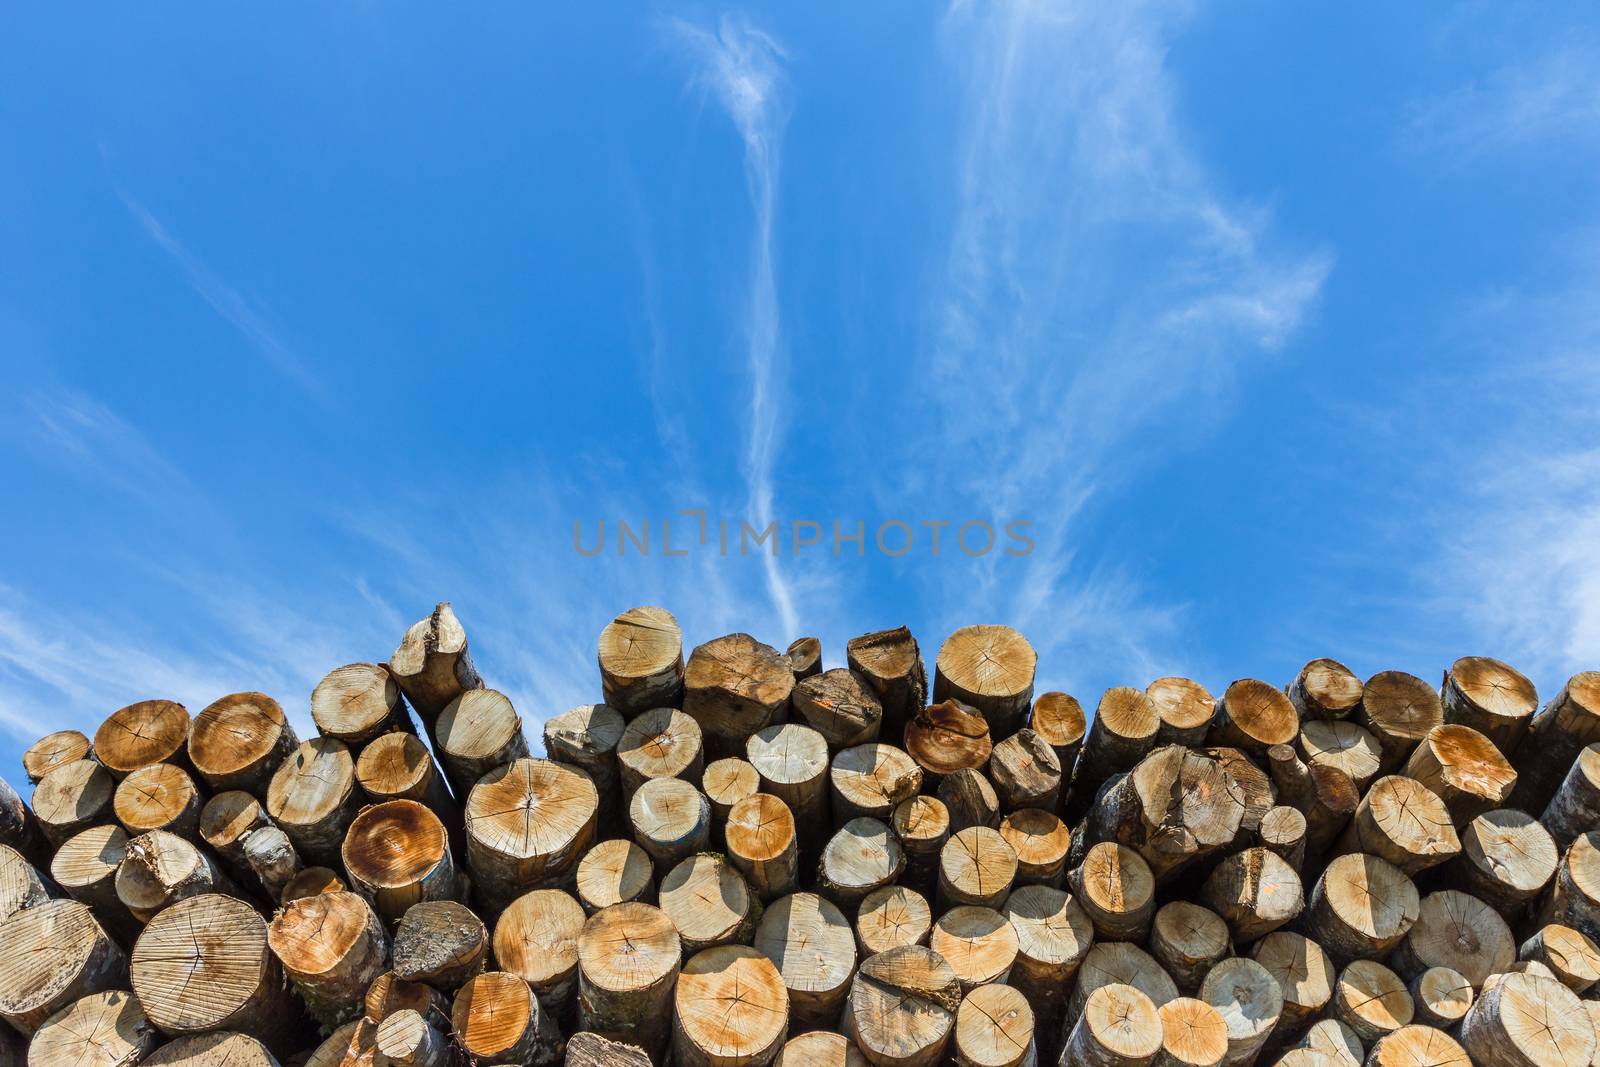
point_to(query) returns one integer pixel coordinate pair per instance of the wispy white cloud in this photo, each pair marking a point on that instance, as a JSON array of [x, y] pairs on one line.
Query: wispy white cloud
[[237, 310], [1100, 297], [742, 66], [1551, 98], [77, 430]]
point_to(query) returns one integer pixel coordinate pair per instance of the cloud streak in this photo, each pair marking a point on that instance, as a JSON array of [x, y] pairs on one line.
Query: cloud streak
[[1553, 98]]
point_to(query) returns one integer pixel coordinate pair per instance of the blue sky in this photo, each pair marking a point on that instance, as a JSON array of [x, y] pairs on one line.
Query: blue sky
[[1277, 322]]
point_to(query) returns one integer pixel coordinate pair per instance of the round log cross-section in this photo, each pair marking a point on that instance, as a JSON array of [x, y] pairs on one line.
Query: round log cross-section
[[1361, 907], [433, 665], [477, 732], [891, 663], [358, 703], [1119, 1027], [1404, 822], [151, 731], [628, 957], [994, 1028], [1527, 1021], [55, 953], [161, 796], [1491, 697], [239, 740], [730, 1010], [733, 687], [671, 820], [979, 944], [810, 942], [105, 1029], [841, 706], [641, 661], [397, 854], [72, 798], [313, 798], [498, 1020], [903, 1007], [976, 866], [659, 743], [1464, 769], [989, 668], [1398, 709], [708, 902], [1325, 689], [1252, 716], [52, 750], [615, 872], [332, 946], [760, 837], [528, 824], [536, 939]]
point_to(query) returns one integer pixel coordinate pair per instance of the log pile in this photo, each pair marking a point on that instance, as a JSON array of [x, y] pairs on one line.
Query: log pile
[[744, 857]]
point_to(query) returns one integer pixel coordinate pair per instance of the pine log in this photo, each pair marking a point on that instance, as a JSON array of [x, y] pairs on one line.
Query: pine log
[[1553, 740], [903, 1007], [1193, 1034], [1456, 930], [1507, 858], [969, 800], [151, 731], [1283, 832], [994, 1028], [55, 953], [1418, 1046], [615, 872], [976, 866], [1360, 907], [660, 743], [86, 868], [1116, 890], [311, 881], [1252, 716], [21, 884], [989, 668], [1305, 976], [891, 917], [1255, 892], [204, 964], [591, 1050], [106, 1029], [1327, 797], [1527, 1021], [708, 902], [161, 869], [841, 706], [627, 968], [760, 838], [52, 750], [979, 944], [1491, 697], [891, 663], [226, 820], [358, 703], [1570, 954], [1575, 808], [1342, 745], [397, 766], [1119, 1027], [441, 943], [946, 738], [587, 737], [1464, 769], [497, 1020], [671, 821], [239, 740], [870, 781], [1185, 708], [1404, 822], [433, 665], [1176, 806], [1329, 1043], [810, 942], [792, 761], [1025, 772], [528, 825], [1119, 963], [641, 661], [1247, 997], [1440, 996], [313, 798], [477, 732], [331, 946], [923, 826], [1325, 689], [397, 854], [1574, 896], [1372, 1000], [1041, 842], [730, 1010], [158, 797], [1123, 732], [408, 1039], [1053, 937], [1058, 720], [1398, 709], [862, 856], [536, 939], [805, 658], [725, 783], [733, 687], [1188, 940], [70, 799]]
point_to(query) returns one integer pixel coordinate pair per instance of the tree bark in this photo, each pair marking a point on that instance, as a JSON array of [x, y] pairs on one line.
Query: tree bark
[[536, 939], [641, 661], [1360, 908], [158, 797], [272, 859], [433, 665], [1575, 808], [994, 1028], [989, 668], [891, 917], [359, 703], [1325, 689], [1255, 892], [733, 687], [313, 798], [587, 737], [398, 855], [1327, 797], [477, 732], [1116, 890], [151, 731], [1119, 1027], [239, 740], [52, 750], [979, 944], [1553, 740], [72, 798], [870, 781], [841, 706], [161, 869], [810, 942], [332, 947], [528, 825], [1526, 1021], [1491, 697], [54, 953], [661, 743], [1402, 821], [1188, 940], [616, 871], [441, 943], [628, 956], [969, 800], [760, 838], [976, 866], [591, 1050], [1248, 998], [1041, 842], [1123, 732], [1398, 709], [1464, 769], [1025, 773], [862, 856], [671, 821], [497, 1020], [708, 902], [891, 663], [903, 1007], [730, 1010]]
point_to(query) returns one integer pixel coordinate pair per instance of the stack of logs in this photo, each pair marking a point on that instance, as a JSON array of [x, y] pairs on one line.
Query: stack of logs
[[744, 858]]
